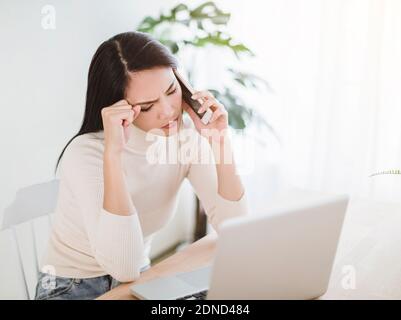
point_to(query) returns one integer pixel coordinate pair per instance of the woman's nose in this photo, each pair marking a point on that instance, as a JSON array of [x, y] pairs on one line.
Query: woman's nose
[[167, 111]]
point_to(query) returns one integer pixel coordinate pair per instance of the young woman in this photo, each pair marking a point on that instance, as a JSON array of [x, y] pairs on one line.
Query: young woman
[[112, 196]]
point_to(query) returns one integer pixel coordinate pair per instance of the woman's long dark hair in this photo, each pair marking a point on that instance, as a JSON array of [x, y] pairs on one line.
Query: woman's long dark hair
[[108, 74]]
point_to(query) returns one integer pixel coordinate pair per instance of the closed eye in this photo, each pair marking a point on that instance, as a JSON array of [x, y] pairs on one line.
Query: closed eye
[[145, 109], [172, 91]]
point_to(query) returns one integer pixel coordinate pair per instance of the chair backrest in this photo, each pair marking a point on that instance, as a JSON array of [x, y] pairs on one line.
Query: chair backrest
[[31, 202], [23, 239]]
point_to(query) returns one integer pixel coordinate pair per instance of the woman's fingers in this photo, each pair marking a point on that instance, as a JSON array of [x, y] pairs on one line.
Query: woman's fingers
[[130, 119], [121, 102], [217, 114], [202, 94], [208, 102], [193, 115], [109, 110], [119, 105], [137, 111], [217, 108], [132, 116], [206, 105], [120, 116], [124, 108]]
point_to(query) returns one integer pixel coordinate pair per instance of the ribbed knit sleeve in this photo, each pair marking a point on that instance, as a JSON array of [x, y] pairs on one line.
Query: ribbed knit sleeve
[[115, 240], [203, 178]]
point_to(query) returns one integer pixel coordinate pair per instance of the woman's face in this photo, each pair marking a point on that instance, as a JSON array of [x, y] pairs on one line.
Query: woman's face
[[158, 93]]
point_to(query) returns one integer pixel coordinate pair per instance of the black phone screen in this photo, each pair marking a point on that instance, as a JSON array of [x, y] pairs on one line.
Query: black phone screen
[[186, 95]]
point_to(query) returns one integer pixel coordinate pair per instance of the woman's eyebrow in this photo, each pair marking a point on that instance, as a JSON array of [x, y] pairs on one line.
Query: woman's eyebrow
[[152, 101]]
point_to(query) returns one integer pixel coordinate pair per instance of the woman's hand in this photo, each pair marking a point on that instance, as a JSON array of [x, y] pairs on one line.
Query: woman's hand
[[116, 120], [216, 129]]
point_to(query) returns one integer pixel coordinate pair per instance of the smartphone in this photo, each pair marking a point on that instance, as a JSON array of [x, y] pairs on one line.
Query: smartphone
[[187, 92]]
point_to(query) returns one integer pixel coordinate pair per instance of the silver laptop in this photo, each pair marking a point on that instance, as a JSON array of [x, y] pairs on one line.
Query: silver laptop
[[285, 253]]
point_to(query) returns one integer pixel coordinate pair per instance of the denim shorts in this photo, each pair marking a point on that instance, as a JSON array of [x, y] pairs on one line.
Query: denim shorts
[[60, 288]]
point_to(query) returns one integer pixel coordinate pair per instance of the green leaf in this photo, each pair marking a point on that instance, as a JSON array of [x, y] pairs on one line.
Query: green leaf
[[221, 19], [172, 45], [210, 11], [249, 80], [178, 8]]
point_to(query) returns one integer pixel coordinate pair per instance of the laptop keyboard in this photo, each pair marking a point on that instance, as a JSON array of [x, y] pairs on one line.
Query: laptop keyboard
[[196, 296]]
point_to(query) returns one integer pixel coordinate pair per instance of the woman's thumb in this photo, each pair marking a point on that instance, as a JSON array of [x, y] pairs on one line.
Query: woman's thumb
[[137, 111]]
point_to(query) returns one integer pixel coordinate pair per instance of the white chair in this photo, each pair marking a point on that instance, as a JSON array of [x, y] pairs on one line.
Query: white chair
[[23, 239]]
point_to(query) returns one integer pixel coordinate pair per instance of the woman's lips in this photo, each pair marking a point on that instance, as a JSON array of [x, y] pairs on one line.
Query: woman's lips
[[171, 124]]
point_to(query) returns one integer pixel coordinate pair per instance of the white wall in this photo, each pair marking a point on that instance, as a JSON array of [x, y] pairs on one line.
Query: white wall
[[43, 79], [335, 67]]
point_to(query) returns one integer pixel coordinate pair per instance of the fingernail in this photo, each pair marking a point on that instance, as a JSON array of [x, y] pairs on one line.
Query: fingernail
[[200, 110], [193, 96]]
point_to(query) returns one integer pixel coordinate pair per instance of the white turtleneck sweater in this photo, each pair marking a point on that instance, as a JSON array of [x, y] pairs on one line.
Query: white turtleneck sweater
[[87, 241]]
